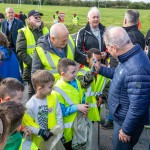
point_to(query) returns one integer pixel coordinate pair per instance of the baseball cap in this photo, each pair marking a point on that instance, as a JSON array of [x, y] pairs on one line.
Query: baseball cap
[[34, 13]]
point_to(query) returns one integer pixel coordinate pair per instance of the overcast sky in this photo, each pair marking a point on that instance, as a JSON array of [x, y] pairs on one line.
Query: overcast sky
[[140, 1]]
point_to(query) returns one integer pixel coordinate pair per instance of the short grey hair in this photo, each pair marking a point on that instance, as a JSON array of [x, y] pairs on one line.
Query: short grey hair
[[54, 30], [132, 16], [116, 36], [93, 10], [8, 8]]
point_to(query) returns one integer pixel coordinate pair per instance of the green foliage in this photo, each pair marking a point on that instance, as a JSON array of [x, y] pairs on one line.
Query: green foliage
[[109, 16]]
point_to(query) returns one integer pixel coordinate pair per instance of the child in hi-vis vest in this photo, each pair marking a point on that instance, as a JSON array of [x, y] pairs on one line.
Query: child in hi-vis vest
[[43, 110], [97, 92], [70, 95]]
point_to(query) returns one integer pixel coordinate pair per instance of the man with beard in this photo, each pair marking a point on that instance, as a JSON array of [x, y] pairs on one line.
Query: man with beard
[[26, 42]]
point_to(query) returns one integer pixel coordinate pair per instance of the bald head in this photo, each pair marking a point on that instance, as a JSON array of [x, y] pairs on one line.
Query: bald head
[[58, 30], [59, 35], [116, 36]]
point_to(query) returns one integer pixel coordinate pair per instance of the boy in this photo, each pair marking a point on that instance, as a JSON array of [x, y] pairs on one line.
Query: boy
[[43, 110], [98, 90], [11, 114], [69, 93], [11, 90]]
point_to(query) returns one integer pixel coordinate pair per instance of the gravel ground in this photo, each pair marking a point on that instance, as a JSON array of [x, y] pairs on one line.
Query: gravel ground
[[106, 140]]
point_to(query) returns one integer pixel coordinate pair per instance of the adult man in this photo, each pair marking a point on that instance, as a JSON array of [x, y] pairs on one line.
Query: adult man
[[26, 41], [130, 24], [54, 46], [91, 36], [129, 97], [10, 27]]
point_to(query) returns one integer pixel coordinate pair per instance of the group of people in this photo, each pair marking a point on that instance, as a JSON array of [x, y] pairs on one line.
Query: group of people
[[67, 77]]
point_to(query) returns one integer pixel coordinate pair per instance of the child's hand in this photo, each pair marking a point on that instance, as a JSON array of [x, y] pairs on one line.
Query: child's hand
[[26, 131], [99, 101], [83, 108]]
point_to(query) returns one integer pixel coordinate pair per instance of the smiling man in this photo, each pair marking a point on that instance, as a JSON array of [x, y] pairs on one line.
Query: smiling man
[[26, 41], [10, 27], [91, 36]]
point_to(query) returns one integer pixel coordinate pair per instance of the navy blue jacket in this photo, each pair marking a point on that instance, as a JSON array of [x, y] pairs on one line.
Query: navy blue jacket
[[17, 24], [129, 93]]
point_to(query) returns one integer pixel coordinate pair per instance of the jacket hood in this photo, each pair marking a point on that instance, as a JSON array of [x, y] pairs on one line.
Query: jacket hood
[[43, 42]]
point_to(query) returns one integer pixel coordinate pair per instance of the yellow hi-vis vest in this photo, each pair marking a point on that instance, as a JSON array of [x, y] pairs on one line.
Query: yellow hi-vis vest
[[95, 88], [75, 20], [68, 95], [30, 40], [29, 121], [50, 60], [27, 145]]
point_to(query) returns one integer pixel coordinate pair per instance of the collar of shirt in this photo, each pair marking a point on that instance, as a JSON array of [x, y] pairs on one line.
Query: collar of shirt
[[61, 54], [94, 29], [9, 23]]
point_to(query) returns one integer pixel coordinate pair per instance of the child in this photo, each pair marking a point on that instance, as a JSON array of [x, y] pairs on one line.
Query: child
[[11, 114], [43, 110], [11, 90], [98, 90], [68, 90]]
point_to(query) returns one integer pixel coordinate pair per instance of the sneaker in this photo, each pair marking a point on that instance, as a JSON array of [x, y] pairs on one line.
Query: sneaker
[[107, 125]]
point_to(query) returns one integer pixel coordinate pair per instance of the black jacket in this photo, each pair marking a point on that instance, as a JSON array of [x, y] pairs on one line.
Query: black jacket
[[135, 35], [87, 40], [148, 42]]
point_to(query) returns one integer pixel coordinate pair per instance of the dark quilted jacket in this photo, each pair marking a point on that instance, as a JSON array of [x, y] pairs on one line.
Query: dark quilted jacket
[[129, 93]]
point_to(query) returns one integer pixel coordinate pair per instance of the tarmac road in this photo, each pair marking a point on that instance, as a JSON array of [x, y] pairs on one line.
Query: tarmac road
[[106, 140]]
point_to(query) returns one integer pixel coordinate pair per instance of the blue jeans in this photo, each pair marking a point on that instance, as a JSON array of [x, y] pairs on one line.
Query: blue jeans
[[119, 145], [109, 117]]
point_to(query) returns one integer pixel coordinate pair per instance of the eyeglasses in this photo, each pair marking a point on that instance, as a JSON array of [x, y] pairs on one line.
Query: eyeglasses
[[37, 17]]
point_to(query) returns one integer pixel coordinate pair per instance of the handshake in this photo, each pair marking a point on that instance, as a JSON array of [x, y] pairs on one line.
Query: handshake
[[45, 133]]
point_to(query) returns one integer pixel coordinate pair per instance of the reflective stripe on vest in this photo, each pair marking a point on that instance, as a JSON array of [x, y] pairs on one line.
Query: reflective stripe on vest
[[93, 105], [27, 145], [68, 125], [30, 40], [66, 97], [69, 96], [29, 121]]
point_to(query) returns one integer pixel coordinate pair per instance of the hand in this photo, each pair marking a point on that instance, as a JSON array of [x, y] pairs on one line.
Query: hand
[[123, 137], [26, 131], [99, 101], [103, 55], [46, 134], [83, 108]]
